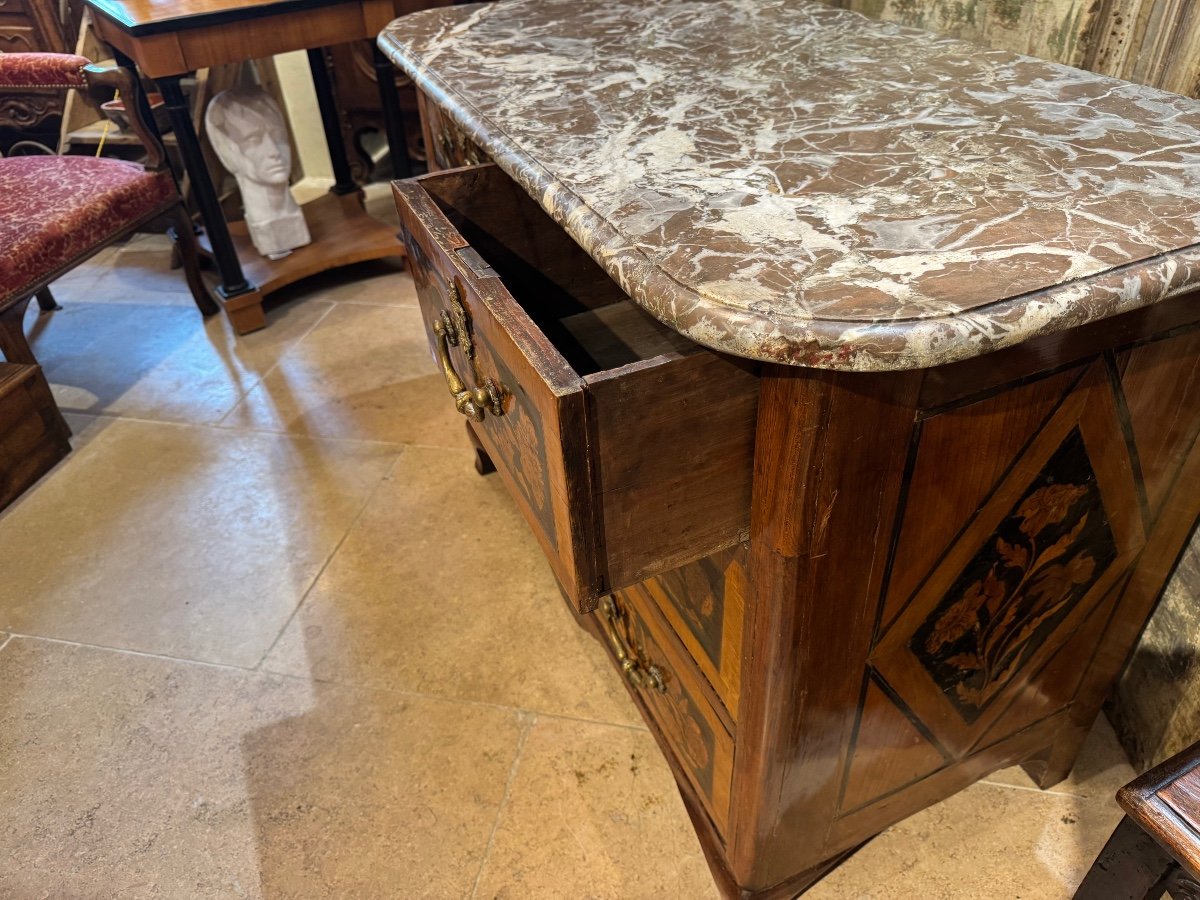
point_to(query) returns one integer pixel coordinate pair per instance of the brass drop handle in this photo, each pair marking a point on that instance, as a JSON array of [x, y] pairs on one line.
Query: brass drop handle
[[451, 330], [640, 674]]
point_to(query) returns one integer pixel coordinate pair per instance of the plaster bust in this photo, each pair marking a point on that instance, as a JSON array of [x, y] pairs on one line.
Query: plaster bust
[[248, 133]]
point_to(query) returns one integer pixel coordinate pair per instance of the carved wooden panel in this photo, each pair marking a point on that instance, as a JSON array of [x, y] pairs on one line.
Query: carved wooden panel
[[27, 27]]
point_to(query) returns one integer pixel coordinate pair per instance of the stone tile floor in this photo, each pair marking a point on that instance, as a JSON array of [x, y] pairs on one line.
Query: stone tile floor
[[265, 633]]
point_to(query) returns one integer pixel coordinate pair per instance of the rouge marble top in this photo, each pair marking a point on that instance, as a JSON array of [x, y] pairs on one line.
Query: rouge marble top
[[790, 182]]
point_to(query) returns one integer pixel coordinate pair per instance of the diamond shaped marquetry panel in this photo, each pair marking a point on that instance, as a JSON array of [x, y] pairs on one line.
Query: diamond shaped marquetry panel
[[1007, 570]]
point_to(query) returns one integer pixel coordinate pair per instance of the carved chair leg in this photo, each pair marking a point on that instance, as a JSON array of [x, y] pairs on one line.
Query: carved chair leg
[[13, 343], [46, 300], [483, 462], [184, 235], [1132, 866]]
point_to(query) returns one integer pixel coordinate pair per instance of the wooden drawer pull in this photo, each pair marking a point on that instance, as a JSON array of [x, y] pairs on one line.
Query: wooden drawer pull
[[453, 330], [640, 674]]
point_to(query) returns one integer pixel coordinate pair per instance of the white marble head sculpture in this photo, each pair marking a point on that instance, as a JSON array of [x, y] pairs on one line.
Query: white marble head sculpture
[[248, 133]]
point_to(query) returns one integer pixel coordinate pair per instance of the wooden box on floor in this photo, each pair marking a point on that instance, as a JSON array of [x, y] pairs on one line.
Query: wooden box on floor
[[33, 434]]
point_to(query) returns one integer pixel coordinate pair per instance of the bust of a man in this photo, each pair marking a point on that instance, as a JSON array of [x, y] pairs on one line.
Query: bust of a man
[[248, 133]]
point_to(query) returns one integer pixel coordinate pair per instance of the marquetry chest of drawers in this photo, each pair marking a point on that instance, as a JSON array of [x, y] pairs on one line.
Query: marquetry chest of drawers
[[853, 400]]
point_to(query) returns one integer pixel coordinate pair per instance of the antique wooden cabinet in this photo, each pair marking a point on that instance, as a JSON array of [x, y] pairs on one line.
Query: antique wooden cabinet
[[27, 26], [851, 387]]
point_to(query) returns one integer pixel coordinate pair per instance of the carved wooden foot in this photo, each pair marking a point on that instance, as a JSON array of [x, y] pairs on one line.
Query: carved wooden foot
[[46, 300], [13, 344], [248, 315], [483, 462]]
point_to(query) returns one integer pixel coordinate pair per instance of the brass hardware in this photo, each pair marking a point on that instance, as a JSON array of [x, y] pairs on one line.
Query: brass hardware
[[641, 675], [453, 330]]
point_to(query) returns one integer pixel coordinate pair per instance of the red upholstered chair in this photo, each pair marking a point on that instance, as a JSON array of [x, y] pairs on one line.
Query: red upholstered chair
[[57, 211]]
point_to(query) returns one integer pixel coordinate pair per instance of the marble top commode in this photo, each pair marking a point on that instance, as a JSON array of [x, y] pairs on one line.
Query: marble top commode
[[789, 182]]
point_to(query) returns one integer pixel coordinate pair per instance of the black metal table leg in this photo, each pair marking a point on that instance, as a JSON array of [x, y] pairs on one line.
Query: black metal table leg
[[343, 181], [393, 116], [233, 281]]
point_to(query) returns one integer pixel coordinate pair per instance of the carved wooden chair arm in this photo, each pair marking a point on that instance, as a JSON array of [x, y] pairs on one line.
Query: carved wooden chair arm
[[131, 95], [59, 71]]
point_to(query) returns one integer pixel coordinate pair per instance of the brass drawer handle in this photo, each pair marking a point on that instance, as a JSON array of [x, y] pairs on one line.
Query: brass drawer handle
[[452, 330], [640, 674]]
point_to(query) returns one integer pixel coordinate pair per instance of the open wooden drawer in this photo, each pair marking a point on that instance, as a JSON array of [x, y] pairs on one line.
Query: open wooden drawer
[[628, 448]]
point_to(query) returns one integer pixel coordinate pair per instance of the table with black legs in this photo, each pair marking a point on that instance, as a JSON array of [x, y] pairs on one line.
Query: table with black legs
[[168, 40]]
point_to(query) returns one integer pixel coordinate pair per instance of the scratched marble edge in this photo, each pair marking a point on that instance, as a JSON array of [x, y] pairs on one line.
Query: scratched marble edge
[[842, 345]]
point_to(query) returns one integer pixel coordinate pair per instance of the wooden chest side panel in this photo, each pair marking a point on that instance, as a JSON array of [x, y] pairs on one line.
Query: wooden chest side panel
[[1161, 383], [940, 489]]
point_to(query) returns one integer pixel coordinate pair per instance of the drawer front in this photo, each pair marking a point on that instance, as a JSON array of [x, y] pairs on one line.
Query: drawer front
[[703, 602], [446, 146], [673, 695], [525, 403]]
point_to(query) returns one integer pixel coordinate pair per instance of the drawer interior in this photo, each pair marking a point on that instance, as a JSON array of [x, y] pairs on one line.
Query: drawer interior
[[628, 447], [571, 300]]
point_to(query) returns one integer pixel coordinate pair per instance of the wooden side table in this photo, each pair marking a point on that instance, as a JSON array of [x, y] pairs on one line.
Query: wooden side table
[[168, 39], [1156, 848]]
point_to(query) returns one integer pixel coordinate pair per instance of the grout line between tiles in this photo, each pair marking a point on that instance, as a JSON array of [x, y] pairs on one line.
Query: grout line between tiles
[[374, 689], [128, 652], [328, 559], [218, 429], [526, 728], [1047, 792]]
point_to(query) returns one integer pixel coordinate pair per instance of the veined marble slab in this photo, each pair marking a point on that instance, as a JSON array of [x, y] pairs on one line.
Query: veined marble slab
[[789, 182]]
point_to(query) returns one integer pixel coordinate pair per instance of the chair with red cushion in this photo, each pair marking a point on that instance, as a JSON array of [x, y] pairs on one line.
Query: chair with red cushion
[[57, 211]]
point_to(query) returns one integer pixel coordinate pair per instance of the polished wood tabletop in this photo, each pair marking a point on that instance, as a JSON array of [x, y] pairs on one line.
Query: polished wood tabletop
[[170, 37], [144, 17]]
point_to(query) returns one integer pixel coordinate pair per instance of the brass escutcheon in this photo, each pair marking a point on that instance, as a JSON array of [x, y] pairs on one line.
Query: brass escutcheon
[[641, 675], [453, 330]]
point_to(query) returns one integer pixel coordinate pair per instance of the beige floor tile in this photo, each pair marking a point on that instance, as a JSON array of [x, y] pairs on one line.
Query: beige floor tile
[[593, 812], [190, 542], [441, 588], [988, 842], [1101, 770], [364, 372], [140, 266], [135, 777], [158, 360]]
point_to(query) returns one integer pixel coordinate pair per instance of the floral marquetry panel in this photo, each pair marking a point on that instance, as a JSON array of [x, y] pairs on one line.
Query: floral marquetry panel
[[1016, 587], [1049, 551]]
